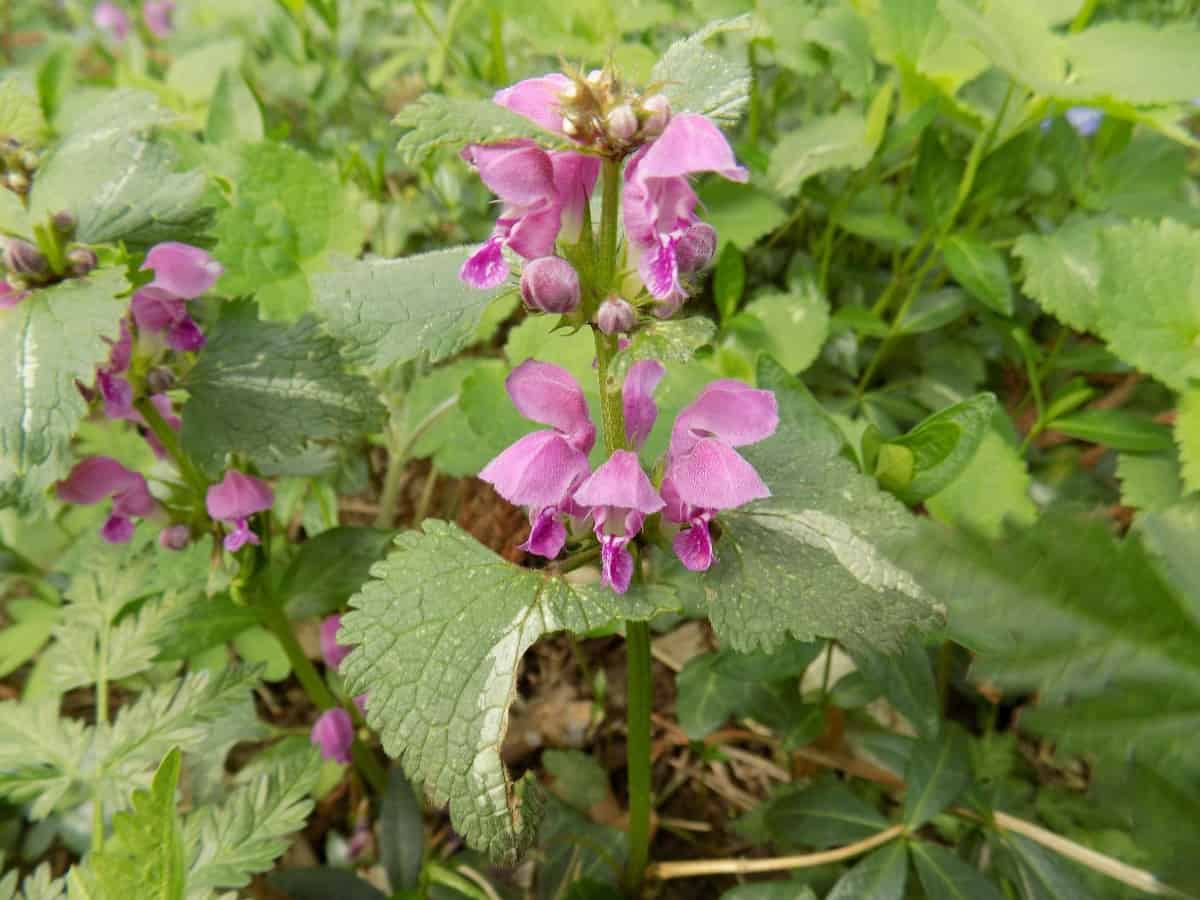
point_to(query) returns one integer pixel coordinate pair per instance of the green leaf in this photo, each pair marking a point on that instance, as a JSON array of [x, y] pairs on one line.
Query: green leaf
[[20, 112], [330, 567], [32, 622], [267, 389], [706, 696], [906, 679], [1149, 481], [573, 848], [696, 79], [287, 219], [320, 884], [578, 779], [440, 667], [993, 487], [1115, 428], [1086, 623], [436, 121], [1042, 875], [729, 280], [824, 815], [936, 179], [233, 114], [946, 877], [211, 622], [1014, 37], [938, 772], [1187, 436], [227, 844], [669, 341], [144, 857], [50, 340], [1170, 539], [401, 832], [13, 217], [1134, 62], [1062, 271], [388, 311], [742, 214], [944, 444], [1149, 301], [811, 559], [880, 876], [981, 270], [195, 74], [771, 890], [41, 755], [794, 325]]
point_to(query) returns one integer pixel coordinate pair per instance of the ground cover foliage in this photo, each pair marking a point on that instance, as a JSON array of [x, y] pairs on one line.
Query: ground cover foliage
[[265, 632]]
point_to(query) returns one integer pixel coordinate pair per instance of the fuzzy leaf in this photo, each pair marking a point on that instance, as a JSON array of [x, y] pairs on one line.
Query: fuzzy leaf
[[265, 389], [440, 633], [697, 79], [288, 216], [436, 121], [40, 755], [810, 559], [53, 338], [388, 311], [1062, 271], [144, 856], [1187, 436], [20, 113], [227, 844]]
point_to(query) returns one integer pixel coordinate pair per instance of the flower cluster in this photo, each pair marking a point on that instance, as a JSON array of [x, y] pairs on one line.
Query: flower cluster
[[26, 267], [115, 22], [548, 471], [544, 193]]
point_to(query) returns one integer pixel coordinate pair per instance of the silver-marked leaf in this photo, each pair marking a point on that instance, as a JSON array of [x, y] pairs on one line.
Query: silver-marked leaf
[[56, 336], [697, 79], [435, 121], [810, 560], [439, 635], [387, 311], [266, 389]]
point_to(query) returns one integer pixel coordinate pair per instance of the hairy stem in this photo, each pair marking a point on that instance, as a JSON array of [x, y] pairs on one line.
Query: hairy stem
[[611, 174], [637, 649]]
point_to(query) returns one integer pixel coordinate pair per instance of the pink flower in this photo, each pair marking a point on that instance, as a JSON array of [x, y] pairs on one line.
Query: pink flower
[[331, 651], [542, 193], [157, 15], [235, 500], [704, 473], [333, 734], [9, 297], [99, 477], [111, 18], [181, 273], [155, 310], [637, 400], [659, 205], [620, 497]]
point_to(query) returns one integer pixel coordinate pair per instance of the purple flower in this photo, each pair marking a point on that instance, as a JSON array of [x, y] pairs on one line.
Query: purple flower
[[10, 297], [182, 270], [235, 500], [659, 205], [331, 651], [333, 733], [157, 15], [111, 18], [99, 477], [637, 400], [615, 316], [704, 473], [156, 310], [620, 497]]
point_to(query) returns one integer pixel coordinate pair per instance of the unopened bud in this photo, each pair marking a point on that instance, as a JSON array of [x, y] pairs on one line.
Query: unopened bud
[[550, 284], [63, 222], [17, 181], [82, 261], [174, 537], [622, 122], [160, 380], [696, 248], [23, 258], [658, 113], [615, 316]]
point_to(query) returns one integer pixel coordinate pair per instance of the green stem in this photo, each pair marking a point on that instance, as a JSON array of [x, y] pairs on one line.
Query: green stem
[[317, 690], [499, 62], [166, 435], [398, 451], [1084, 15], [101, 719], [49, 242], [637, 649], [608, 229], [612, 413]]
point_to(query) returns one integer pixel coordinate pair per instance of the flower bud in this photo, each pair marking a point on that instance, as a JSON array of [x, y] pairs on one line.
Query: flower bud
[[550, 284], [696, 248], [658, 112], [174, 537], [615, 316], [23, 258], [622, 122], [17, 181], [82, 261], [159, 380], [63, 222]]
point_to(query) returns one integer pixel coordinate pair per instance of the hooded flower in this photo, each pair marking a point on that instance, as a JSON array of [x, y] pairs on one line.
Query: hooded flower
[[235, 500], [181, 273], [704, 473], [620, 497], [541, 193], [659, 205], [543, 468], [111, 18], [333, 734], [99, 477], [637, 400], [157, 15]]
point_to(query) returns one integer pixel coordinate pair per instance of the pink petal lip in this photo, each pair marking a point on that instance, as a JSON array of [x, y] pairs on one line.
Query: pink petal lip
[[620, 483], [550, 395], [238, 496], [182, 270], [735, 413], [538, 470], [537, 99], [637, 400], [712, 475]]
